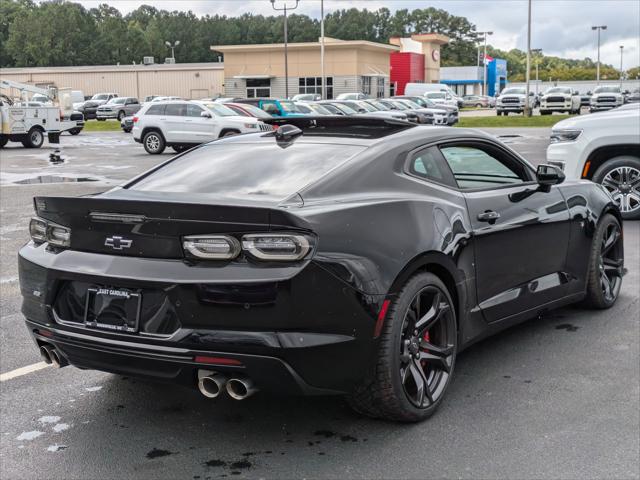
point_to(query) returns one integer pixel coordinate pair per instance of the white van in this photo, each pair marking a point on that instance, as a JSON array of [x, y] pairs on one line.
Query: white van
[[419, 89]]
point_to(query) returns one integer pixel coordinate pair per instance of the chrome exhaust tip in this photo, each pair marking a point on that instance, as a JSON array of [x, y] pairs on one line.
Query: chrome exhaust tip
[[211, 384], [57, 360], [44, 353], [241, 388]]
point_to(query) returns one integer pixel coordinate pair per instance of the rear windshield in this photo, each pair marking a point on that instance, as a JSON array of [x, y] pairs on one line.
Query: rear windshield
[[247, 171]]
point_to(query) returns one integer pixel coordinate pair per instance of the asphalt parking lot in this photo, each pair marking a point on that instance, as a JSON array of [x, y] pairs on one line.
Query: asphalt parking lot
[[556, 397]]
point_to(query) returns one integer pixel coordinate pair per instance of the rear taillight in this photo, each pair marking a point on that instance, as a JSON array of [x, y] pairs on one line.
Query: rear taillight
[[279, 247], [44, 231], [135, 119], [214, 247], [260, 246]]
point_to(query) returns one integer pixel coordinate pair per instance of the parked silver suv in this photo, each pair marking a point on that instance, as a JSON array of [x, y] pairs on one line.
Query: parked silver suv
[[118, 108]]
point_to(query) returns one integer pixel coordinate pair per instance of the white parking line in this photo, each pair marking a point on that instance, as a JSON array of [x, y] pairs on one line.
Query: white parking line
[[18, 372]]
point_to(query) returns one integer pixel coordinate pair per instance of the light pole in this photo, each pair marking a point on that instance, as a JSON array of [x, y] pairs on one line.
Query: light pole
[[286, 41], [537, 52], [598, 28], [527, 100], [621, 71], [484, 62], [323, 91], [172, 47]]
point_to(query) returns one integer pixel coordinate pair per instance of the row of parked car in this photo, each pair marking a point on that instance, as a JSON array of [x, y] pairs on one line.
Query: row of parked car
[[180, 124], [565, 99]]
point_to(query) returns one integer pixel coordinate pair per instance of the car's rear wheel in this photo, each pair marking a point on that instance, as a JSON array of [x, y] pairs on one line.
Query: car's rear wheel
[[416, 355], [606, 264], [621, 177], [153, 142]]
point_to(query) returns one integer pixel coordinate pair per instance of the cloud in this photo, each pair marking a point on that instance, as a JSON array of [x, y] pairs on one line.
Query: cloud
[[560, 27]]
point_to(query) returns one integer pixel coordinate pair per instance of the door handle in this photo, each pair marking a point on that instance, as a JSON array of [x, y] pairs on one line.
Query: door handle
[[488, 216]]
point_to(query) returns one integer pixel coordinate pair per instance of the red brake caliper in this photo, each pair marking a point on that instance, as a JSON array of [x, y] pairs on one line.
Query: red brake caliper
[[426, 339]]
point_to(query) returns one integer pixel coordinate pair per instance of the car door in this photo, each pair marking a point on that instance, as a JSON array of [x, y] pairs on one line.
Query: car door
[[201, 129], [520, 232], [132, 106], [175, 128]]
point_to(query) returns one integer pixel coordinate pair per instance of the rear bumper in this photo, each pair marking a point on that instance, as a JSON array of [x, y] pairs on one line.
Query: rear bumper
[[296, 332], [168, 364]]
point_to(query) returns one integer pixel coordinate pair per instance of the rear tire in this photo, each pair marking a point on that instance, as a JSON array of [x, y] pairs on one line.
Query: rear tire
[[416, 354], [606, 264], [621, 177], [153, 142], [35, 138]]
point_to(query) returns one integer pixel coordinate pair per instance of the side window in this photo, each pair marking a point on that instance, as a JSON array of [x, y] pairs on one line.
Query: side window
[[155, 110], [477, 167], [194, 110], [271, 108], [175, 109], [430, 165]]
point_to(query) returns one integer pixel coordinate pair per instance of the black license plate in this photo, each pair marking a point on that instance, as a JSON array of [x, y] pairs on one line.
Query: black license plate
[[113, 309]]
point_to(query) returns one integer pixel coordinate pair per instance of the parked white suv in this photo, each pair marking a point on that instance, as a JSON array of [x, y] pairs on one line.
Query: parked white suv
[[183, 124], [606, 97], [604, 148], [560, 99]]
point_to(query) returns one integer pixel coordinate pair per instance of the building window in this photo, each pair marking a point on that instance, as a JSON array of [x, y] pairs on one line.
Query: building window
[[258, 87], [366, 85], [380, 89], [314, 85]]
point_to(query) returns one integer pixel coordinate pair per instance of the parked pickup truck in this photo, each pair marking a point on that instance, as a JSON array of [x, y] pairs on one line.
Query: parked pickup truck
[[560, 99], [118, 108]]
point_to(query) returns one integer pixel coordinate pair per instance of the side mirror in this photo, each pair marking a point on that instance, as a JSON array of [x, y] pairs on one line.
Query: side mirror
[[548, 175], [205, 114]]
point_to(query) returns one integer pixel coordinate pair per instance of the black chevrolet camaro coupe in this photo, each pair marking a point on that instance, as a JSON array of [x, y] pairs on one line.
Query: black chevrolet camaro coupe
[[335, 255]]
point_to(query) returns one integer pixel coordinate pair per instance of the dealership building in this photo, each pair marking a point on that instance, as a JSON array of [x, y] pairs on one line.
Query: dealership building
[[377, 69], [470, 80]]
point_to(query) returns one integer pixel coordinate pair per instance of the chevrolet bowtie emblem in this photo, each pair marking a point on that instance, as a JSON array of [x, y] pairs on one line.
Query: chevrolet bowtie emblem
[[117, 243]]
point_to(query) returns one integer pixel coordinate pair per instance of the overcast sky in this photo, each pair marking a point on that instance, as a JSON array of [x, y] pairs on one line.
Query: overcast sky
[[560, 27]]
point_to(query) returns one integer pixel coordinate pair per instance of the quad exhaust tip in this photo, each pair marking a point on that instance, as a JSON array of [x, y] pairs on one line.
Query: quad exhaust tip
[[211, 384], [240, 388], [51, 356]]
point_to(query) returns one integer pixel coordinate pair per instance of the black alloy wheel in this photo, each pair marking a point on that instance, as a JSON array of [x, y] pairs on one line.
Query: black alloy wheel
[[427, 347], [606, 267], [416, 354]]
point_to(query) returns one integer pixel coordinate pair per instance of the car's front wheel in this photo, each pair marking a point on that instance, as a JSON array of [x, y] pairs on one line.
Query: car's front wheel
[[153, 142], [606, 264], [416, 356], [621, 177], [121, 115]]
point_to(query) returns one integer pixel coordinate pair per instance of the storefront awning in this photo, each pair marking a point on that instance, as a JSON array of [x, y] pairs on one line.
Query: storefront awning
[[253, 77], [459, 82]]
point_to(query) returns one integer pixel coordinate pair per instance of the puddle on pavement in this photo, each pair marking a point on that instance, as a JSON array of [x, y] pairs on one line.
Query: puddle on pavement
[[54, 179]]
